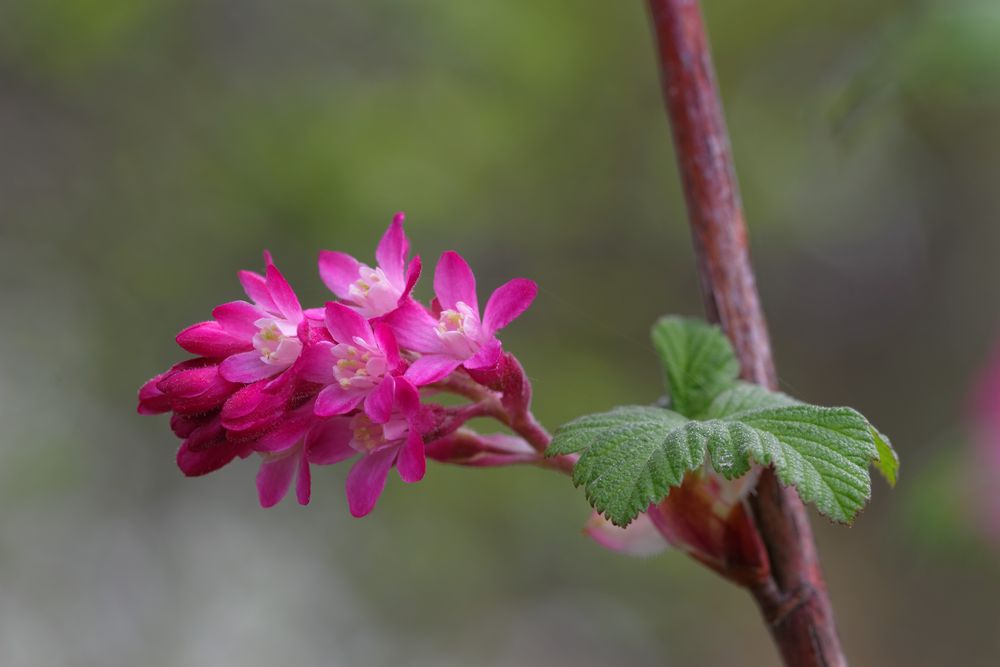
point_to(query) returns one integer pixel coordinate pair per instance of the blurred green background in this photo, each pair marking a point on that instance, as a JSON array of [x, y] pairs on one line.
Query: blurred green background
[[151, 148]]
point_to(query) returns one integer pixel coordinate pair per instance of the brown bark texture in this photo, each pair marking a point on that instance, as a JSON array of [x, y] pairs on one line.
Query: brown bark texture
[[793, 600]]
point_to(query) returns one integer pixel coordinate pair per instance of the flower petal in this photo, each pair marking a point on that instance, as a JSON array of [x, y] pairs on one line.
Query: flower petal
[[412, 464], [387, 343], [189, 382], [243, 402], [392, 250], [238, 317], [288, 433], [206, 450], [185, 425], [639, 538], [197, 395], [407, 397], [338, 271], [194, 388], [207, 434], [282, 381], [316, 363], [378, 404], [247, 367], [345, 324], [366, 480], [430, 368], [283, 295], [254, 409], [454, 282], [209, 339], [414, 327], [255, 287], [312, 329], [152, 401], [333, 400], [303, 484], [274, 478], [487, 356], [507, 302], [412, 275], [196, 463], [330, 441]]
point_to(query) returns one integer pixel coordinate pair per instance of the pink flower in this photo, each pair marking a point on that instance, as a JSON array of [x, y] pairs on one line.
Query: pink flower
[[318, 386], [206, 448], [215, 412], [288, 450], [373, 292], [396, 441], [256, 408], [639, 538], [191, 387], [258, 340], [457, 336], [353, 366]]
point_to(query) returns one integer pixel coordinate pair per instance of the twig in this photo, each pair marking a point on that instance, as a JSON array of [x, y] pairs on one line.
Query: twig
[[794, 601]]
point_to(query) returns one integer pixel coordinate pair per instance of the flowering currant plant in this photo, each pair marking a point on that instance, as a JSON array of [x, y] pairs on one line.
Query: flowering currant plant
[[357, 378]]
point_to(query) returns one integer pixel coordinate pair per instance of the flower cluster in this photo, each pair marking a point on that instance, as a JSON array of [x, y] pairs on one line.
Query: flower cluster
[[301, 387]]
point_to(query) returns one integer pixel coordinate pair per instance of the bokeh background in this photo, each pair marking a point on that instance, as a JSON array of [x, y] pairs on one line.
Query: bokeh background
[[151, 148]]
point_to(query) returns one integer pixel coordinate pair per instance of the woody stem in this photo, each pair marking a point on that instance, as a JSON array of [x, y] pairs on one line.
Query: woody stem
[[793, 600]]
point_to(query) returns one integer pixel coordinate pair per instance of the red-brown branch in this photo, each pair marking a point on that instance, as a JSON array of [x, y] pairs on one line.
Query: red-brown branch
[[794, 601]]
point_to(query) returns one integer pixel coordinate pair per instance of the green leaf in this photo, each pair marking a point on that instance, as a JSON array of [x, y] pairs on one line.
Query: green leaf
[[632, 456], [627, 461], [823, 452], [698, 361], [888, 461], [746, 397]]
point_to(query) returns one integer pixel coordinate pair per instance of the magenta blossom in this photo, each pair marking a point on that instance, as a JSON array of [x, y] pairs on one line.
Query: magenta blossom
[[192, 387], [457, 336], [288, 450], [373, 292], [639, 538], [353, 366], [303, 387], [395, 441], [257, 339], [206, 448], [257, 408], [216, 413]]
